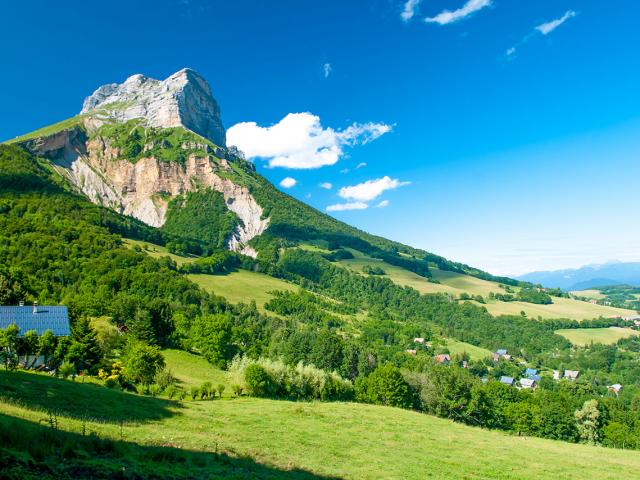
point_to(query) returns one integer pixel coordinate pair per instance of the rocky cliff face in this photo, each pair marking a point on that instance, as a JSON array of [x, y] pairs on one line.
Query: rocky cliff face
[[182, 100], [143, 188]]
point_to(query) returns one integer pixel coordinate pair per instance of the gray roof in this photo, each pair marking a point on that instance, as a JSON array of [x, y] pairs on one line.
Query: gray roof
[[55, 319], [530, 371], [501, 351], [506, 380]]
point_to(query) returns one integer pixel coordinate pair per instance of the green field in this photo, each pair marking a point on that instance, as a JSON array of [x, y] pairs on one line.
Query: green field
[[192, 370], [475, 353], [283, 439], [456, 283], [606, 336], [48, 130], [242, 286], [157, 251], [591, 293]]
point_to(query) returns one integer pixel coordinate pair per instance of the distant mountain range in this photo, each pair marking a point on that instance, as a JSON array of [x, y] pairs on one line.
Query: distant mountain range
[[589, 276]]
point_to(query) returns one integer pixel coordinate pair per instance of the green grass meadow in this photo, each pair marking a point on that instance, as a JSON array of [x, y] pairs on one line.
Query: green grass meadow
[[258, 438], [586, 336]]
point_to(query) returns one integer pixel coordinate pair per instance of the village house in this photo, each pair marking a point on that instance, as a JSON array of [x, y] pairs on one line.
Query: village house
[[506, 380], [443, 358], [411, 352], [37, 318], [571, 374], [556, 374], [529, 372], [419, 340], [501, 353], [615, 388], [527, 383]]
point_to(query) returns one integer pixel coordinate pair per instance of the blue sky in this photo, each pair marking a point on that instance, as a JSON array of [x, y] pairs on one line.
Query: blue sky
[[502, 133]]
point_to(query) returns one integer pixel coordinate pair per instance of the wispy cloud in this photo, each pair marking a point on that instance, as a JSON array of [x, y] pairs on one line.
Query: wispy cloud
[[361, 164], [288, 182], [409, 10], [548, 27], [326, 70], [447, 16], [382, 204], [544, 29], [371, 189], [299, 141], [326, 185], [340, 207]]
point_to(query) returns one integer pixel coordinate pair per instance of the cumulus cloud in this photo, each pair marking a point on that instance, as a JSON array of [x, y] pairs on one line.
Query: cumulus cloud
[[326, 70], [288, 182], [382, 204], [409, 10], [371, 189], [548, 27], [299, 140], [447, 16], [340, 207], [326, 185]]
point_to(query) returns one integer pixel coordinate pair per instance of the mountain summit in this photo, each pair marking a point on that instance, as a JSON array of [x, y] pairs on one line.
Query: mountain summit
[[182, 100]]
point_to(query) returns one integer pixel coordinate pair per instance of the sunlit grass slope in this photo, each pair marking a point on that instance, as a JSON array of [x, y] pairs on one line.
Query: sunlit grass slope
[[341, 440], [606, 336], [242, 286], [456, 283]]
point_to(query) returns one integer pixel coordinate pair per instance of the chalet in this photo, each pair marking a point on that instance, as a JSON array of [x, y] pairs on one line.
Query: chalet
[[527, 383], [443, 358], [506, 380], [571, 374], [615, 388], [529, 372], [419, 340], [411, 352], [38, 318], [501, 353]]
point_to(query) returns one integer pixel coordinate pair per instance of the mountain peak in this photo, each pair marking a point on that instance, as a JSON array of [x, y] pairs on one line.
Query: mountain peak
[[183, 99]]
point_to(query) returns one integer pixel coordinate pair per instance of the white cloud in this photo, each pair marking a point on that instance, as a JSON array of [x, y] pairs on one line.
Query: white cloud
[[383, 203], [511, 51], [409, 9], [300, 141], [288, 182], [361, 164], [340, 207], [547, 28], [447, 16], [326, 70], [326, 185], [371, 189]]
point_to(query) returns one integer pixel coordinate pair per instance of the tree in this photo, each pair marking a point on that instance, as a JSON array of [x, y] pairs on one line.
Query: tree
[[258, 381], [385, 386], [8, 346], [140, 326], [142, 362], [588, 422], [28, 346], [47, 345], [84, 351], [212, 335], [618, 435]]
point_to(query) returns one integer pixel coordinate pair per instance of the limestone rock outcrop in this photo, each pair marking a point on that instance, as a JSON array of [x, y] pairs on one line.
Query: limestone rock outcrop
[[182, 100]]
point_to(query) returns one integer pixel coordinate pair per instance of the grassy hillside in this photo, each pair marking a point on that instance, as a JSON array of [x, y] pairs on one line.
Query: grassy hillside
[[242, 286], [606, 336], [456, 283], [283, 437], [475, 353]]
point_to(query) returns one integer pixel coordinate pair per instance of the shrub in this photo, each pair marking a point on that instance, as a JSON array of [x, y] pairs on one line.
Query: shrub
[[221, 390], [155, 390], [385, 386], [206, 390], [236, 389], [257, 380], [67, 369], [164, 378], [171, 392], [193, 392]]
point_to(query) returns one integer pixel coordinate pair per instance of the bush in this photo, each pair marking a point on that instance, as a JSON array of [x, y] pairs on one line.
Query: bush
[[193, 392], [385, 386], [67, 369], [270, 378], [172, 391], [155, 390], [258, 381], [221, 390], [164, 378]]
